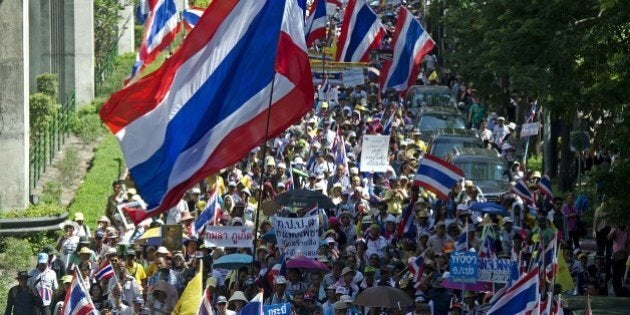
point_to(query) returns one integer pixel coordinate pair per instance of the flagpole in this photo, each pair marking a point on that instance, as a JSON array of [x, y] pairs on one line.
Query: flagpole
[[83, 287], [260, 182]]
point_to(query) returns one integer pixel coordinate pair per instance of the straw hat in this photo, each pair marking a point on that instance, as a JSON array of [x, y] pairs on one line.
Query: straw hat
[[238, 296]]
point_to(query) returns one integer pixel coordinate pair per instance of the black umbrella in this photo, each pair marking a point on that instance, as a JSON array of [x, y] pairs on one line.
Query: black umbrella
[[302, 198], [384, 296]]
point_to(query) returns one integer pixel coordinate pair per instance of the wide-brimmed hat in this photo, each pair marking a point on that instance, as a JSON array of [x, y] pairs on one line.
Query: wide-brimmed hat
[[78, 217], [186, 216], [73, 224], [85, 250], [238, 296], [346, 270], [22, 275]]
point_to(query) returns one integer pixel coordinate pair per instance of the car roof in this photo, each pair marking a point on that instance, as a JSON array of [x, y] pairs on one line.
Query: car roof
[[454, 132], [440, 111], [476, 152], [429, 88]]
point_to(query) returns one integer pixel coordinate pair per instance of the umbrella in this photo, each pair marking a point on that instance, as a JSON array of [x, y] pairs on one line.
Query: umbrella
[[306, 263], [302, 198], [153, 237], [270, 237], [233, 261], [384, 296], [489, 208]]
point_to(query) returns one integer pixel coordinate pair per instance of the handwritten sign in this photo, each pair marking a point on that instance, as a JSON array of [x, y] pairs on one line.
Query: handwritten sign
[[496, 270], [298, 235], [277, 309], [530, 129], [463, 267], [353, 77], [374, 152], [228, 236]]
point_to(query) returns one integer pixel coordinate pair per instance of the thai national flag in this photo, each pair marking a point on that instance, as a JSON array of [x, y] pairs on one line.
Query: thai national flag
[[521, 297], [315, 26], [161, 27], [142, 11], [387, 128], [437, 175], [406, 225], [488, 249], [279, 269], [335, 2], [105, 272], [207, 106], [416, 267], [411, 43], [254, 306], [361, 32], [206, 303], [191, 16], [46, 294], [77, 300], [339, 147], [544, 186], [548, 259], [523, 191], [461, 244], [210, 213]]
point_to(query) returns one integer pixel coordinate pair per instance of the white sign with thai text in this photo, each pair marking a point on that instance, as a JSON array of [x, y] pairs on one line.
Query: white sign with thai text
[[296, 235], [374, 153], [228, 236]]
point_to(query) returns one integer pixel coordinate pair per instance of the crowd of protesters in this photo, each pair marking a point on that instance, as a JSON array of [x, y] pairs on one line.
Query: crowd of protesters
[[360, 239]]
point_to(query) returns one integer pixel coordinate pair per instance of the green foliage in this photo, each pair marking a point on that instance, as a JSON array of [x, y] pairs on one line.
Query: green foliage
[[201, 3], [39, 210], [20, 254], [138, 33], [47, 83], [43, 110], [106, 16], [85, 123], [535, 163], [122, 68], [51, 193], [68, 166], [91, 197]]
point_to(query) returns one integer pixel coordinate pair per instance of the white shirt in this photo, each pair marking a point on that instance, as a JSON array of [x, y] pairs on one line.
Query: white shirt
[[43, 279], [376, 246]]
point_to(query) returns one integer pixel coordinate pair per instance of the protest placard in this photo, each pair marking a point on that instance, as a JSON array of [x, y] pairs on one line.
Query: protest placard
[[353, 77], [374, 153], [463, 267], [277, 309], [496, 270], [530, 129], [228, 236], [297, 235]]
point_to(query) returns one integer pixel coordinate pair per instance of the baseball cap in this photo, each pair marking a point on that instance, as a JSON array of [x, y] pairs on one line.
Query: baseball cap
[[42, 258], [221, 299]]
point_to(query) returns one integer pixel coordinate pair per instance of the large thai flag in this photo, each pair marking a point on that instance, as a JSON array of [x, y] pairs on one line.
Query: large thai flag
[[361, 31], [544, 186], [77, 300], [437, 175], [191, 17], [521, 297], [161, 27], [411, 43], [523, 191], [315, 26], [207, 106], [142, 11]]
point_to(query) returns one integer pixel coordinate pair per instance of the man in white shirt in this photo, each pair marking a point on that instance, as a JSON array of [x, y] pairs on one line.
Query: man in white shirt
[[500, 131], [44, 281]]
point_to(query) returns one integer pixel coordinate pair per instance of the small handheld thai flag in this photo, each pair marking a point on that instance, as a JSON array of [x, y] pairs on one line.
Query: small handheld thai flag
[[46, 294], [254, 306], [437, 175], [206, 303], [523, 191], [416, 267], [544, 186], [315, 26], [77, 300], [105, 272], [462, 244], [210, 213], [387, 128], [487, 249], [406, 225], [279, 269]]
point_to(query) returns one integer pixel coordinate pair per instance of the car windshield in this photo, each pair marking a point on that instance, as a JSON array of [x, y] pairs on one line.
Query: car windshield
[[482, 170], [432, 122], [441, 147], [432, 99]]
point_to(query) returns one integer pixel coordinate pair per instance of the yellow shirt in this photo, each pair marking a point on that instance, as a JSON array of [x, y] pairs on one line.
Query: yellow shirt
[[394, 203], [215, 180], [137, 271]]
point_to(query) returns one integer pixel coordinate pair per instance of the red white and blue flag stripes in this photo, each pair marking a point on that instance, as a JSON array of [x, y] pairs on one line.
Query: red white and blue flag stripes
[[105, 272], [161, 27], [77, 300], [206, 303], [406, 225], [254, 306], [411, 43], [46, 294], [210, 213], [523, 191], [416, 267], [191, 16], [361, 31], [544, 186], [438, 176], [315, 26], [521, 297], [207, 106]]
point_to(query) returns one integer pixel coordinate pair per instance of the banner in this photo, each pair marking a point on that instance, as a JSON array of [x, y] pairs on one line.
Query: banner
[[353, 77], [277, 309], [530, 129], [495, 270], [463, 267], [297, 235], [374, 151], [228, 236]]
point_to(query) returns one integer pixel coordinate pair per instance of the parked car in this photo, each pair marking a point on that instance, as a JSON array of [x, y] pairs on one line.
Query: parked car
[[424, 97], [445, 140], [485, 168]]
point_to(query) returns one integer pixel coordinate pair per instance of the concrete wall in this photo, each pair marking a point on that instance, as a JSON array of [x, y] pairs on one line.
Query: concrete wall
[[125, 28], [14, 91], [80, 49], [40, 45]]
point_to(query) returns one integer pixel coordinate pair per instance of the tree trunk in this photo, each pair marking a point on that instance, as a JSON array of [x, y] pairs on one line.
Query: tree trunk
[[567, 157], [550, 144]]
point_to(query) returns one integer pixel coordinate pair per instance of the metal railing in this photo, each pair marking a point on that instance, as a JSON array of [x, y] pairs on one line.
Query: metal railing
[[43, 150], [104, 68]]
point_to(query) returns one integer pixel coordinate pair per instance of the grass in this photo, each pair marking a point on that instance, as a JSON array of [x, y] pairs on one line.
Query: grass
[[91, 197]]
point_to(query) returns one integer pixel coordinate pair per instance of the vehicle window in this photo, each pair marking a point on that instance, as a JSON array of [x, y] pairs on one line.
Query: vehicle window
[[432, 100], [441, 147], [482, 171], [430, 122]]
